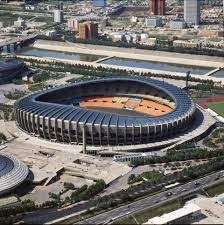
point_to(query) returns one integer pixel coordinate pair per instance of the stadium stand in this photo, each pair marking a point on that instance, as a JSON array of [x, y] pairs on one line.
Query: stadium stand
[[167, 111]]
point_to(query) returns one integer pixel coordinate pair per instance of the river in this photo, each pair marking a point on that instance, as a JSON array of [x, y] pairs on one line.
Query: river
[[30, 51]]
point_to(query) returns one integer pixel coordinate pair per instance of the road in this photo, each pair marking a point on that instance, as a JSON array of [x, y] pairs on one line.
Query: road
[[112, 215], [43, 216]]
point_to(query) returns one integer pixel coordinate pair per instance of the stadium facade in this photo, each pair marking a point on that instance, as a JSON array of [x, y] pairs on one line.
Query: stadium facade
[[11, 69], [107, 112], [12, 173]]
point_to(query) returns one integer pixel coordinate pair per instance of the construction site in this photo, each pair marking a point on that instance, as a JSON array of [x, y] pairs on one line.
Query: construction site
[[53, 164]]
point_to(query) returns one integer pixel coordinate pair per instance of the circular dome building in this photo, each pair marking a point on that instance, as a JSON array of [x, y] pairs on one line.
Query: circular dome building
[[12, 173], [107, 112]]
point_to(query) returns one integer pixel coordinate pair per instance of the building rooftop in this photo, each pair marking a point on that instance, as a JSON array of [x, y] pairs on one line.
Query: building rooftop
[[169, 217]]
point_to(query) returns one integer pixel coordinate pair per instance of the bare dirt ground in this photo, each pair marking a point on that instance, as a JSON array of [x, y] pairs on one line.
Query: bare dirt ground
[[214, 212]]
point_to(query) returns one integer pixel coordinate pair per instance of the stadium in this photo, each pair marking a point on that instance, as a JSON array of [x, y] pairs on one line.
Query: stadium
[[129, 112], [12, 173], [10, 69]]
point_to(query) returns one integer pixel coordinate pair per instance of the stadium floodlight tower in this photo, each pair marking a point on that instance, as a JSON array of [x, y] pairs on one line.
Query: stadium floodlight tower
[[188, 75]]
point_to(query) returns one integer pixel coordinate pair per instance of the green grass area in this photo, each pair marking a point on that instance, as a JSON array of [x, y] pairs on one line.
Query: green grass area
[[11, 7], [215, 189], [215, 140], [217, 107], [76, 218], [9, 18], [144, 216], [48, 20]]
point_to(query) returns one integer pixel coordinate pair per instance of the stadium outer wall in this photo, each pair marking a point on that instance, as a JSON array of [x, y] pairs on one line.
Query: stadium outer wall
[[51, 115]]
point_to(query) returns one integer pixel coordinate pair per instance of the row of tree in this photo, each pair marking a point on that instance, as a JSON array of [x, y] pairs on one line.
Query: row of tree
[[174, 156], [83, 193], [145, 176], [152, 186], [100, 71], [23, 206], [2, 137], [6, 112], [14, 95]]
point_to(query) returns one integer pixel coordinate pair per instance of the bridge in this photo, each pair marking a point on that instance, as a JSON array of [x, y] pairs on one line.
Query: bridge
[[17, 41], [213, 71]]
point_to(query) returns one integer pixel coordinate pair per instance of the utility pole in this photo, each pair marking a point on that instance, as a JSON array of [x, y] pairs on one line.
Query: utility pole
[[84, 139]]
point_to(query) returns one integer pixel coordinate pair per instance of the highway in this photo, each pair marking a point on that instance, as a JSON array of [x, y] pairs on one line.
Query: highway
[[112, 215], [48, 216]]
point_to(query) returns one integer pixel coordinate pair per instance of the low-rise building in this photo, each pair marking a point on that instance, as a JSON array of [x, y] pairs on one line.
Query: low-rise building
[[19, 22], [104, 22], [153, 21], [135, 37], [184, 215], [185, 44], [118, 36], [177, 24], [51, 33], [30, 7], [144, 36], [134, 19], [11, 29], [211, 32], [73, 24], [128, 38], [149, 41]]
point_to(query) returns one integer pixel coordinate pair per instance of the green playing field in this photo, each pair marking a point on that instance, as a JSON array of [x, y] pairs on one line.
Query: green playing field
[[217, 107]]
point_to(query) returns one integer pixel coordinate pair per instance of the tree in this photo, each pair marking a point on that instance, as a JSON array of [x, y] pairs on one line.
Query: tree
[[69, 186], [3, 137]]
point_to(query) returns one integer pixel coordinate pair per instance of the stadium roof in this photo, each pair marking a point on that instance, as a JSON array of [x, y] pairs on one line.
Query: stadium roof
[[9, 64], [12, 173], [184, 106]]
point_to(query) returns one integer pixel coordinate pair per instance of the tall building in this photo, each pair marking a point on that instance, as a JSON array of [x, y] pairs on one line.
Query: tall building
[[83, 32], [58, 16], [192, 12], [88, 30], [60, 5], [73, 24], [157, 7]]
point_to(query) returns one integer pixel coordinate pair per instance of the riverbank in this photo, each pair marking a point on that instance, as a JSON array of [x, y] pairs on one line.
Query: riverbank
[[94, 64], [147, 55]]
